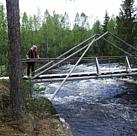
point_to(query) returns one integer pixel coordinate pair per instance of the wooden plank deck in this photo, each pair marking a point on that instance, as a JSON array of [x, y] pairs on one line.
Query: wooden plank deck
[[4, 78], [80, 75], [85, 75]]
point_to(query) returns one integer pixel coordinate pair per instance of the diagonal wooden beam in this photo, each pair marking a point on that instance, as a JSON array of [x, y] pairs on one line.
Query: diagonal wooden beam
[[65, 53], [48, 68], [131, 46]]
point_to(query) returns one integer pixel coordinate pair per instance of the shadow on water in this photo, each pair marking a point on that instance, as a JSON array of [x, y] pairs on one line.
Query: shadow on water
[[104, 107]]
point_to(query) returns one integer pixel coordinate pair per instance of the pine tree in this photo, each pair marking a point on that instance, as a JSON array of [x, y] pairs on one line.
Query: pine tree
[[104, 46], [97, 29], [105, 23], [125, 23], [15, 76]]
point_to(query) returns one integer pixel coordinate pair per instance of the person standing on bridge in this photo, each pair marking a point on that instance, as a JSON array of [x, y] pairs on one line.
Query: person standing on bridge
[[32, 54]]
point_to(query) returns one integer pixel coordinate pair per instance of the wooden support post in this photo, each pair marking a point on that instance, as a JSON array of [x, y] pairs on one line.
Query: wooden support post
[[67, 76], [128, 64], [97, 67], [48, 68], [127, 53], [131, 46], [62, 55]]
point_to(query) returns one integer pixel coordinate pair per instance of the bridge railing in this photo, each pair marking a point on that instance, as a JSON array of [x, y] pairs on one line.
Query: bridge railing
[[127, 62]]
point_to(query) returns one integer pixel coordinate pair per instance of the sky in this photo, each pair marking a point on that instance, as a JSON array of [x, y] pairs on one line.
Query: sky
[[94, 9]]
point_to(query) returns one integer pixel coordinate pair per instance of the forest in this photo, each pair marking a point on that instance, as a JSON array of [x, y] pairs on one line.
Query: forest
[[53, 34]]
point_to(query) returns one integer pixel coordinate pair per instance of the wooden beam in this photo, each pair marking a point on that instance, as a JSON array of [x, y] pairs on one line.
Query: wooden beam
[[128, 64], [64, 54], [43, 71], [97, 67], [85, 77]]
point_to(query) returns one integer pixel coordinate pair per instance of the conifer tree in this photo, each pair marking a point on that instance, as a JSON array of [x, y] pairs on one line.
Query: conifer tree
[[15, 76], [104, 45], [125, 23]]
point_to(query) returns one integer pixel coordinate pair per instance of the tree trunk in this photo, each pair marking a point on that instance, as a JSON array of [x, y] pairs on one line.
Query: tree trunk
[[15, 74]]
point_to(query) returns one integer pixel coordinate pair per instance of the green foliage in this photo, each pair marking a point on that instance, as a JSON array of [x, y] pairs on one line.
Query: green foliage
[[111, 27], [97, 28], [54, 34], [3, 37], [126, 27], [35, 105], [3, 70], [40, 105], [27, 88], [106, 21]]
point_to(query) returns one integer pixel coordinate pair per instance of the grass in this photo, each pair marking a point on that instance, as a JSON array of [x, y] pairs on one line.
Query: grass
[[3, 70]]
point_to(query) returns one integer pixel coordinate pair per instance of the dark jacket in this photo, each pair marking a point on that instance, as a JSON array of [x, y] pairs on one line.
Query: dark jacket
[[32, 53]]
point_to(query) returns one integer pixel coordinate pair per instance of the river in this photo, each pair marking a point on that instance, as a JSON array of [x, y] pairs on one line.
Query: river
[[96, 107]]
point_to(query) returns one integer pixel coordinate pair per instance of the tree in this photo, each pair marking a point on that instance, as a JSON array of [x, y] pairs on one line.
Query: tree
[[36, 25], [125, 23], [80, 29], [111, 27], [105, 23], [51, 28], [15, 75], [104, 45], [77, 21], [84, 21], [25, 34], [65, 21], [135, 32], [97, 29], [44, 35], [3, 36]]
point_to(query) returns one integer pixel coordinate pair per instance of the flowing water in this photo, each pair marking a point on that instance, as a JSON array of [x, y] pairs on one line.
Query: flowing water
[[96, 107]]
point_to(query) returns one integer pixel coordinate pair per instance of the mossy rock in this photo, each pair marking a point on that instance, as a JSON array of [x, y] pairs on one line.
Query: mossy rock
[[40, 105]]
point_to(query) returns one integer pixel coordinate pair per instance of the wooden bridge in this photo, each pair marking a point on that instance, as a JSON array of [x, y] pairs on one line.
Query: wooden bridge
[[85, 75], [84, 47], [42, 73]]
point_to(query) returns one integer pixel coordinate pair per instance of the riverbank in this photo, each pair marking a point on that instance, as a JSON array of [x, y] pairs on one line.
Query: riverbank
[[40, 118]]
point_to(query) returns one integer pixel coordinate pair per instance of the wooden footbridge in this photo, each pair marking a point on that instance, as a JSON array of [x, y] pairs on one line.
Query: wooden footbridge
[[85, 75], [84, 48], [42, 74], [98, 73]]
